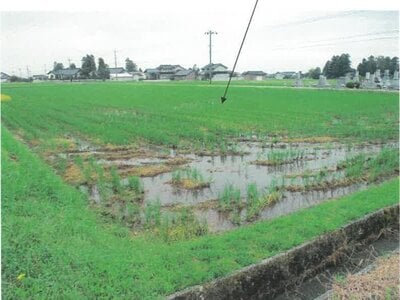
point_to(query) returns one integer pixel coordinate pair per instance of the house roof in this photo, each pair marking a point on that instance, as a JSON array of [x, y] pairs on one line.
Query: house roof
[[116, 70], [39, 76], [152, 71], [4, 75], [183, 72], [255, 73], [287, 73], [136, 73], [213, 66], [66, 72], [169, 67]]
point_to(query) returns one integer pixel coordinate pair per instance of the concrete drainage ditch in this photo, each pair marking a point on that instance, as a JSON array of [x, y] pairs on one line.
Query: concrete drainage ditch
[[275, 275]]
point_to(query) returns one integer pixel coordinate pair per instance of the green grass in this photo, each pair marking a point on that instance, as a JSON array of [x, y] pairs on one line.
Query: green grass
[[188, 114], [65, 250]]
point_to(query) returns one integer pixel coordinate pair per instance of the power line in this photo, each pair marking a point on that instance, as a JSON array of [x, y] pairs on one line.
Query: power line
[[329, 44], [318, 19], [343, 39]]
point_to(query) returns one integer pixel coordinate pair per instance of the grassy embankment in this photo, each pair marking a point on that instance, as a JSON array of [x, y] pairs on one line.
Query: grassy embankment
[[54, 246]]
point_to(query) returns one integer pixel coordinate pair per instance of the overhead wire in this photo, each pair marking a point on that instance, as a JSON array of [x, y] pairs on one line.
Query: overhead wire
[[223, 98]]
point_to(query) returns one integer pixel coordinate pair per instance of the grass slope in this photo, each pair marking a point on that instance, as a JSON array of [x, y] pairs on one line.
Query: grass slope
[[176, 114], [54, 246]]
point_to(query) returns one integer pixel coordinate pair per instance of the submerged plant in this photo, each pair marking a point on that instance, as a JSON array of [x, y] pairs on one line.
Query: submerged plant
[[279, 157], [135, 184], [115, 180], [229, 198], [189, 179]]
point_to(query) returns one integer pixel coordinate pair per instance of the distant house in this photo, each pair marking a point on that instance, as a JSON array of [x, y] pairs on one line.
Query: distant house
[[168, 71], [152, 74], [40, 77], [137, 75], [4, 77], [163, 72], [254, 75], [64, 74], [119, 73], [185, 75], [217, 71]]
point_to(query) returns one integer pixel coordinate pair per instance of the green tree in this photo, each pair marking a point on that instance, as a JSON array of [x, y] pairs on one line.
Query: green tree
[[381, 62], [57, 66], [337, 66], [371, 64], [72, 66], [102, 69], [130, 66], [394, 65], [314, 73], [362, 67], [88, 69]]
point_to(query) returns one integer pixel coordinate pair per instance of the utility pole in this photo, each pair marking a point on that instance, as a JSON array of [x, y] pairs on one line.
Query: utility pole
[[115, 57], [115, 64], [69, 63], [210, 33], [27, 72]]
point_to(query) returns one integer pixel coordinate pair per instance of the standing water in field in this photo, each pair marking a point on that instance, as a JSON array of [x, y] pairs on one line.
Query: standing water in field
[[283, 167], [240, 171]]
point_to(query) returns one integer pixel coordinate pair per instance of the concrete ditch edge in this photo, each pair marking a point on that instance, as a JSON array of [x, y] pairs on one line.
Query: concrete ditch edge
[[274, 275]]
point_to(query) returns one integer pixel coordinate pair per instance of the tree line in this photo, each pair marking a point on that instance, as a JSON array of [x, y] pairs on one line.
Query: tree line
[[340, 65], [90, 70]]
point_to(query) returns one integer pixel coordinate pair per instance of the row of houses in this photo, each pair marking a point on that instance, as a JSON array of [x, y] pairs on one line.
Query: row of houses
[[165, 72], [71, 74], [177, 72]]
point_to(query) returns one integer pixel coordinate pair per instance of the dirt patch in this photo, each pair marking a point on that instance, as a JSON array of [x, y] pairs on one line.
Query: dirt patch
[[309, 173], [177, 161], [323, 186], [314, 139], [380, 282], [265, 162], [189, 184], [144, 171], [73, 174]]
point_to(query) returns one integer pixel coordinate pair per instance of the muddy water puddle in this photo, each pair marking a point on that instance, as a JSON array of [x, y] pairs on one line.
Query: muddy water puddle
[[240, 171], [290, 202]]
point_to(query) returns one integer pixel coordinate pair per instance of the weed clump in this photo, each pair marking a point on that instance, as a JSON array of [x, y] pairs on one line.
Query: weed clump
[[190, 179], [181, 226], [279, 157], [135, 185], [229, 199], [256, 202]]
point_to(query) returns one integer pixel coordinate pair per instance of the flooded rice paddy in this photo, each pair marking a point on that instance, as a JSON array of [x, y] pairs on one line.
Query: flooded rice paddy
[[251, 164]]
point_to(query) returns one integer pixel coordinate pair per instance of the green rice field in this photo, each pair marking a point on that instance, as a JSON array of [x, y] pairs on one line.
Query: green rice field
[[177, 114]]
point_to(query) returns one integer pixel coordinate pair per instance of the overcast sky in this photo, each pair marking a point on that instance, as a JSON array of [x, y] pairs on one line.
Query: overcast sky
[[172, 32]]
